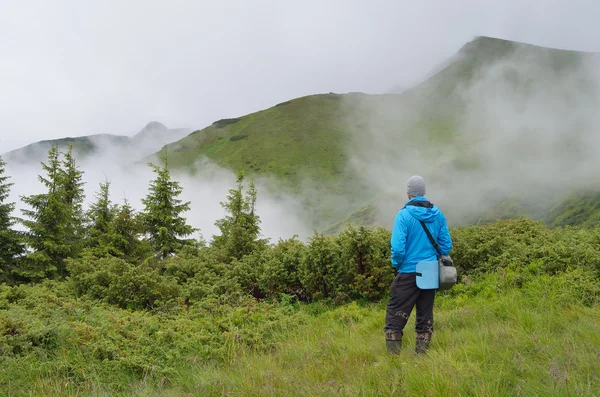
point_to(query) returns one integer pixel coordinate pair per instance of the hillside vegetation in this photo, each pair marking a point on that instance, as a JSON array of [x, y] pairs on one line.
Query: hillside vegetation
[[302, 137], [110, 301], [522, 321]]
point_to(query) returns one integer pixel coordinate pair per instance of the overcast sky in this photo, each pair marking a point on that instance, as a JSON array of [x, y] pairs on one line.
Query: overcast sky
[[71, 68]]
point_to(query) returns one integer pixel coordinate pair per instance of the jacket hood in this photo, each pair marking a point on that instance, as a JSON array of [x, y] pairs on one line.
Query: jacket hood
[[423, 210]]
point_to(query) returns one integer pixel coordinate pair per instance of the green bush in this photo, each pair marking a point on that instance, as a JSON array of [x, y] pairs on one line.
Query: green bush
[[238, 137], [118, 322], [81, 339], [366, 255], [518, 243], [321, 270], [118, 282], [280, 270], [202, 274], [225, 122]]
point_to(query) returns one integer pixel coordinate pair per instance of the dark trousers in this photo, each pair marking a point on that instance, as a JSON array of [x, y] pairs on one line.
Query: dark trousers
[[404, 296]]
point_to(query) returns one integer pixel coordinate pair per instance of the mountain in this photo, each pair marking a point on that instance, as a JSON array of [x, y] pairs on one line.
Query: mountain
[[147, 141], [501, 129]]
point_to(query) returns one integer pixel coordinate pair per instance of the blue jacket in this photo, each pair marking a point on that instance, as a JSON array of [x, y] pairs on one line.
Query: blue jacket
[[409, 242]]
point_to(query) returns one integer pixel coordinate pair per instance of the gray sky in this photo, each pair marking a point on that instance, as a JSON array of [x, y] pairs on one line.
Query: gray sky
[[71, 68]]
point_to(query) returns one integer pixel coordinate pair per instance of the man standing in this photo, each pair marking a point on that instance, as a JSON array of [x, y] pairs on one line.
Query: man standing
[[410, 245]]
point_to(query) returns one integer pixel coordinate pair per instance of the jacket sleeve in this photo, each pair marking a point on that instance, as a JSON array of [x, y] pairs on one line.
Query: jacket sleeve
[[398, 240], [444, 239]]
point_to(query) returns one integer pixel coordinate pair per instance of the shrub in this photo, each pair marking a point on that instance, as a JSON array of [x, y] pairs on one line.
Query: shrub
[[121, 283], [280, 269], [201, 274], [487, 247], [518, 243], [366, 255], [321, 271], [225, 122], [238, 138]]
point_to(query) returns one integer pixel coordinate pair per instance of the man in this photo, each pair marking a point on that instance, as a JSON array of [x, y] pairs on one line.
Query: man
[[410, 245]]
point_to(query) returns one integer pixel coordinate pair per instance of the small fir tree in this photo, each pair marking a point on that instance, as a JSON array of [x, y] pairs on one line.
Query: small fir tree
[[73, 195], [161, 216], [240, 226], [101, 218], [125, 232], [11, 243], [47, 225]]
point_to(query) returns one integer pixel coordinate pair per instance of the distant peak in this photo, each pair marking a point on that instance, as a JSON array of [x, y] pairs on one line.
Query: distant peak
[[495, 44], [155, 126], [480, 42]]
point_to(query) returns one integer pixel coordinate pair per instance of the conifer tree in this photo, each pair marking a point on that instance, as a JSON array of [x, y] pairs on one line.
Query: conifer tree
[[48, 217], [240, 226], [101, 218], [125, 233], [55, 219], [11, 244], [73, 196], [161, 217]]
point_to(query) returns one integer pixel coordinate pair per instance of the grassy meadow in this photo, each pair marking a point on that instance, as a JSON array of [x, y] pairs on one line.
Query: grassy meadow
[[492, 337]]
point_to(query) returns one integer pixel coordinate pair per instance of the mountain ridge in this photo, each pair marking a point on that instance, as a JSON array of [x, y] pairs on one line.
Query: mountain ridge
[[339, 153], [435, 118], [146, 141]]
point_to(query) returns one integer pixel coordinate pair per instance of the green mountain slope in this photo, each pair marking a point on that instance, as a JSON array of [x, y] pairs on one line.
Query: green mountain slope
[[303, 137], [582, 208], [352, 148], [496, 130]]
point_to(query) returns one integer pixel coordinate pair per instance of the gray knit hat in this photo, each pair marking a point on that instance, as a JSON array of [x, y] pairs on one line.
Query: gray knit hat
[[415, 186]]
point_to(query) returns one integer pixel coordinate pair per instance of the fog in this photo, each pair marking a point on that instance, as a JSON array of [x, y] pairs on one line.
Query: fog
[[530, 125], [74, 69], [280, 214]]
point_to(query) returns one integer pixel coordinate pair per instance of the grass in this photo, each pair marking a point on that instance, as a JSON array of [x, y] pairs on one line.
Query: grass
[[481, 348], [304, 138], [581, 208], [490, 339]]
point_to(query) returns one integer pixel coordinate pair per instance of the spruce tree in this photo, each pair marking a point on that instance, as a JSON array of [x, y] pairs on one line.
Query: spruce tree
[[11, 244], [48, 218], [73, 196], [161, 216], [240, 226], [101, 218], [55, 219], [125, 232]]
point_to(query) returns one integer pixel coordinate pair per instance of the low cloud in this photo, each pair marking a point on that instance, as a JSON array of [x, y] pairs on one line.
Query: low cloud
[[525, 127], [280, 213]]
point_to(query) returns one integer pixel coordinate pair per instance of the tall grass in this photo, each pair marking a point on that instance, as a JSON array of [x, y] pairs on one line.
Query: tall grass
[[509, 346], [491, 338]]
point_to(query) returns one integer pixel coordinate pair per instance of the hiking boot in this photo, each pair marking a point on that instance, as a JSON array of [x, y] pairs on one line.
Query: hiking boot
[[422, 344], [393, 342]]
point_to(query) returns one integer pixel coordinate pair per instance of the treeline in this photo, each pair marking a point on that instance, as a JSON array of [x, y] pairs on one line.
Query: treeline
[[58, 230], [147, 260]]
